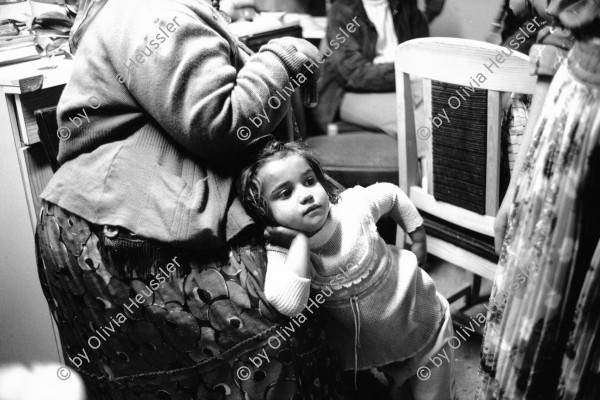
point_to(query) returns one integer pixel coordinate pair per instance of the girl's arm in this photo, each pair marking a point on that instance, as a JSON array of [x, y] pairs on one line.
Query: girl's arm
[[419, 245], [194, 86], [287, 283], [389, 199], [298, 257]]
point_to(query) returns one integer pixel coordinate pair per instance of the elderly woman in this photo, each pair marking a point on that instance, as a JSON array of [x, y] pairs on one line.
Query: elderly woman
[[152, 270]]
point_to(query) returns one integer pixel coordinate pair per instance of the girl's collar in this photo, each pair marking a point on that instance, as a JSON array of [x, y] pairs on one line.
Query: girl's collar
[[320, 238]]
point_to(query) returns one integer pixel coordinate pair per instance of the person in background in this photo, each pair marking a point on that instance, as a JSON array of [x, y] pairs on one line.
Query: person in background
[[248, 9], [358, 81], [505, 28], [313, 7]]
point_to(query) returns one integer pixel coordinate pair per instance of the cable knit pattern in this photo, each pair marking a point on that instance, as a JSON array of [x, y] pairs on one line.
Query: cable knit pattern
[[285, 290], [293, 60], [399, 312], [386, 197]]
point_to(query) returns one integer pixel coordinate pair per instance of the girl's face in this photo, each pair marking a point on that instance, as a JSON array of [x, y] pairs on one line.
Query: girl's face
[[294, 196]]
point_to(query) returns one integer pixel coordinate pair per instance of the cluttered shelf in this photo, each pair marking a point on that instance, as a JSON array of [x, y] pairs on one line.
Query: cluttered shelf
[[30, 33]]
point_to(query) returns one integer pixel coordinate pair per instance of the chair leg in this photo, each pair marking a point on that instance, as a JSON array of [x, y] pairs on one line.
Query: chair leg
[[475, 289], [469, 293]]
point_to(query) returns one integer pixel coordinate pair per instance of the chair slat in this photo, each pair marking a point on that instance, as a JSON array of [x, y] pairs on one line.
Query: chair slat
[[466, 260], [494, 115], [428, 108], [460, 61], [483, 224]]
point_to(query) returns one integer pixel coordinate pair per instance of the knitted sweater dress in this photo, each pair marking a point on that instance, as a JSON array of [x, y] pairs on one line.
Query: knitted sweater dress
[[380, 306]]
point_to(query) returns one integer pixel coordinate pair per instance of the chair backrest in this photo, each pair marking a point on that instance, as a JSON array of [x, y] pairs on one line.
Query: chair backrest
[[472, 65], [47, 131]]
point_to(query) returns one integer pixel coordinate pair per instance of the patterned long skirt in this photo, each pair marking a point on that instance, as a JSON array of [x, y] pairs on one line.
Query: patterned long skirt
[[542, 338], [142, 320]]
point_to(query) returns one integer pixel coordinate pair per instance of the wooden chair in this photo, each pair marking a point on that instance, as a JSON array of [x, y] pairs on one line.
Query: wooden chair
[[458, 62]]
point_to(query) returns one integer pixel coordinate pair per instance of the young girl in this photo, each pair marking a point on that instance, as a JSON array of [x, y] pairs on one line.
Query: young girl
[[383, 310]]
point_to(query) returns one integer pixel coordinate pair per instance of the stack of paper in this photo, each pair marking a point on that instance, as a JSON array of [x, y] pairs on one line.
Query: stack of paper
[[14, 49]]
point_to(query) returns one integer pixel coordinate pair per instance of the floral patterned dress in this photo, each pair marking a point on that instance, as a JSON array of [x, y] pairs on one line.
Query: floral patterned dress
[[542, 338]]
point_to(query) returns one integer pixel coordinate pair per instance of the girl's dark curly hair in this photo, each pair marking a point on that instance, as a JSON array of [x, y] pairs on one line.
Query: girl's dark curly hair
[[249, 187]]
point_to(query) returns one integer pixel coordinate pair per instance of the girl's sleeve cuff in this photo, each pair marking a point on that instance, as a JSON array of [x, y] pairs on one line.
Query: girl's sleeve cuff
[[286, 291]]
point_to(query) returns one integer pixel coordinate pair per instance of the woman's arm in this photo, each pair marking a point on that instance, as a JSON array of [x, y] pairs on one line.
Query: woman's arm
[[287, 283], [192, 82]]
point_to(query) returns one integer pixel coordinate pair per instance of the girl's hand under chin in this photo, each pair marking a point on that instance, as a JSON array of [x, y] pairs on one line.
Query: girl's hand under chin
[[419, 246], [281, 235]]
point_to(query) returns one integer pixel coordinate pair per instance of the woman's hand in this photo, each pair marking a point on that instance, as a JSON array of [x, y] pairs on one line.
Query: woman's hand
[[281, 236], [306, 48], [309, 89], [419, 246]]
